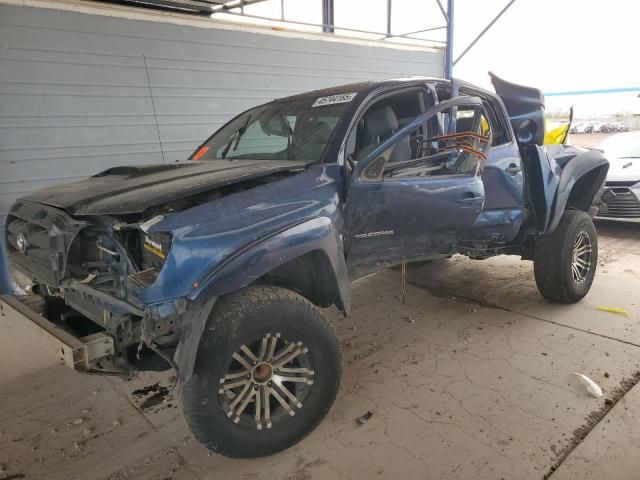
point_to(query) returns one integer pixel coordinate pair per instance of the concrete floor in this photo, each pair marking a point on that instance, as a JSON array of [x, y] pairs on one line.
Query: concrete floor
[[471, 378]]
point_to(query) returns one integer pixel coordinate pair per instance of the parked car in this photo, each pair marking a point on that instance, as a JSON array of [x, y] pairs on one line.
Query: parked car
[[218, 266], [580, 127], [610, 127], [622, 190], [596, 127]]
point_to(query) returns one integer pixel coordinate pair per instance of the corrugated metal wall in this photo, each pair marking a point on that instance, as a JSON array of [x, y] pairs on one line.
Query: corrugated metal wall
[[80, 93]]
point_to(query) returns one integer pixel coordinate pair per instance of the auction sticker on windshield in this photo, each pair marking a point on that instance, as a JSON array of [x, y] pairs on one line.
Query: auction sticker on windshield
[[333, 99]]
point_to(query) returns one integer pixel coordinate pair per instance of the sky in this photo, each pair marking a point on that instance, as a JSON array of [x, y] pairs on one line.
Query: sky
[[557, 46]]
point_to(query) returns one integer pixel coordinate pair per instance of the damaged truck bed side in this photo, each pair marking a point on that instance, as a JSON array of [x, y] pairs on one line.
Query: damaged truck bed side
[[218, 266]]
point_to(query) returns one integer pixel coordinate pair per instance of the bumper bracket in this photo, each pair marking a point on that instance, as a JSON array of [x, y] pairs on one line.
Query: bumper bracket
[[78, 353]]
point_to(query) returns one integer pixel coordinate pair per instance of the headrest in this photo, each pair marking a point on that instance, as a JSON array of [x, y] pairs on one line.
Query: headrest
[[381, 122]]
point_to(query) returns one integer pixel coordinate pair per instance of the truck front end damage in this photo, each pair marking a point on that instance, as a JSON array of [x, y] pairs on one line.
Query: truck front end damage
[[145, 279], [96, 268]]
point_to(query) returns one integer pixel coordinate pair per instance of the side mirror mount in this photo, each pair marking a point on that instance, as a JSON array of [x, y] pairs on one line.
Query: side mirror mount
[[374, 170]]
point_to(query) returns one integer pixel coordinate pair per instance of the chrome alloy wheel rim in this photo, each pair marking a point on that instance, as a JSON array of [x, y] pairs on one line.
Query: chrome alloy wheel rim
[[266, 381], [581, 259]]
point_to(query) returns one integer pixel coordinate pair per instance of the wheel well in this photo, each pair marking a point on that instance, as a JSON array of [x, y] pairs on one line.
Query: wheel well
[[586, 188], [311, 275]]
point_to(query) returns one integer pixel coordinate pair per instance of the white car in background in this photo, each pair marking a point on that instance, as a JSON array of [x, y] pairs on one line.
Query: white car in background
[[580, 127], [622, 189], [596, 127]]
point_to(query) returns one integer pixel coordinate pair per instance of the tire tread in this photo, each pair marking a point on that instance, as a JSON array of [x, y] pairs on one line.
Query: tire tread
[[235, 305]]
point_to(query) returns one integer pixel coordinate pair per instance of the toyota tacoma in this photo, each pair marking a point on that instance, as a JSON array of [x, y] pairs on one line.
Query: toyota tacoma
[[218, 267]]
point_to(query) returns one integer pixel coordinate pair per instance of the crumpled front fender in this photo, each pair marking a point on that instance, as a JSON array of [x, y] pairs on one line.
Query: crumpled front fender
[[259, 258], [252, 263]]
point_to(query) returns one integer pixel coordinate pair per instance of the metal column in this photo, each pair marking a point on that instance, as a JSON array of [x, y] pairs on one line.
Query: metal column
[[448, 54], [388, 18], [327, 16]]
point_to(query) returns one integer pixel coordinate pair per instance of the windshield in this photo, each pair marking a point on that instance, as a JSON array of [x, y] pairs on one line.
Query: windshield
[[625, 145], [296, 129]]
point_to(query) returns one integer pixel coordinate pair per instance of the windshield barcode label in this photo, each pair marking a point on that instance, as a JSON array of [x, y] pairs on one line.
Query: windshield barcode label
[[333, 99]]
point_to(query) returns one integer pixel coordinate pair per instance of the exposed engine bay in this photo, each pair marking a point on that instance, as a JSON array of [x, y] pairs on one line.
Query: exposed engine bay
[[94, 267]]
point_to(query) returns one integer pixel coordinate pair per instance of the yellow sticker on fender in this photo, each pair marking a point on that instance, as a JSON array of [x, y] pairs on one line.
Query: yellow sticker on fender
[[154, 247]]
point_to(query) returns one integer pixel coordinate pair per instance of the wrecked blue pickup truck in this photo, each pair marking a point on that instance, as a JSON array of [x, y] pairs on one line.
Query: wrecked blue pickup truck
[[217, 267]]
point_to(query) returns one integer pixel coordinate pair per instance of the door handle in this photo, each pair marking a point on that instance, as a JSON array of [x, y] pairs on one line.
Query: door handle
[[513, 169], [469, 198]]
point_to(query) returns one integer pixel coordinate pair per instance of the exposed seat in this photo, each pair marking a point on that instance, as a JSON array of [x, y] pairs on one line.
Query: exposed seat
[[380, 124]]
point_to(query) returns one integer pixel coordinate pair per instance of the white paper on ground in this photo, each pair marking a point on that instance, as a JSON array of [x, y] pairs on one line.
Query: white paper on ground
[[592, 387]]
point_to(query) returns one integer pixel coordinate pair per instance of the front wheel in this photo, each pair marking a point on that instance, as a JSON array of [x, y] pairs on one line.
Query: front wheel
[[565, 261], [267, 371]]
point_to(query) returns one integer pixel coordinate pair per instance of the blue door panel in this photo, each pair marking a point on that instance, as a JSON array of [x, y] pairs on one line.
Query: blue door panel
[[412, 218]]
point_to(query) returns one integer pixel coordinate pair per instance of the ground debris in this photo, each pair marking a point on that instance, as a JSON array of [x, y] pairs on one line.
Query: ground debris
[[592, 420], [616, 310], [155, 395], [364, 418], [592, 387]]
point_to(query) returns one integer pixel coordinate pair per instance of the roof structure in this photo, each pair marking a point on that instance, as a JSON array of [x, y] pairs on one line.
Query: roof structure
[[195, 7]]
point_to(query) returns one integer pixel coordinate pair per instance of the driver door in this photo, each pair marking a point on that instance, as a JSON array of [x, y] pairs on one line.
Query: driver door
[[420, 206]]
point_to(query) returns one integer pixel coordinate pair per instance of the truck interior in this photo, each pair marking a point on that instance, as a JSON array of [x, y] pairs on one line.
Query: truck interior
[[425, 150]]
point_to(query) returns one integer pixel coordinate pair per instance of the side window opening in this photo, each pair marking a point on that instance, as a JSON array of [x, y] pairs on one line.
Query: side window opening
[[383, 119], [462, 151], [495, 117], [498, 123]]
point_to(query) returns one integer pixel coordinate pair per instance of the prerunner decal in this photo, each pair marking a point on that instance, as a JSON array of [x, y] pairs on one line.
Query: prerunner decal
[[154, 247], [333, 99]]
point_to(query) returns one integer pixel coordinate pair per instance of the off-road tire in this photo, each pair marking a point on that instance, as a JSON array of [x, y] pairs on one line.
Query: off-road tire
[[554, 256], [240, 318]]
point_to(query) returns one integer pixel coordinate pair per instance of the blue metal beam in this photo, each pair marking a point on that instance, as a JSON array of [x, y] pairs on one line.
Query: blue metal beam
[[444, 14], [592, 92], [327, 16], [475, 40], [448, 53]]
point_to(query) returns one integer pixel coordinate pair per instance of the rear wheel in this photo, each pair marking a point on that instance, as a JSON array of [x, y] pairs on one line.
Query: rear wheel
[[565, 261], [267, 372]]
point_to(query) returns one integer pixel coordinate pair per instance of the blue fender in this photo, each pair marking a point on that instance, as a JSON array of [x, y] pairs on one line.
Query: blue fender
[[258, 259], [580, 184], [253, 262]]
